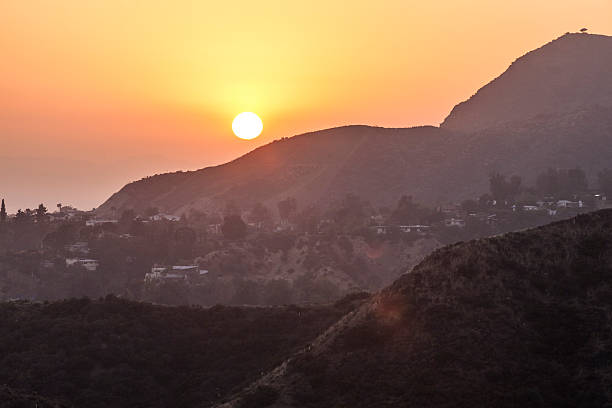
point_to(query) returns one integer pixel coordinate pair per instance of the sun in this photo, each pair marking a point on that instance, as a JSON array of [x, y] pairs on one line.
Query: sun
[[247, 125]]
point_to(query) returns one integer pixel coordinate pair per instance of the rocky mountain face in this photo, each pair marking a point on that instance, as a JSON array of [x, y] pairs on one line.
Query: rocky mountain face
[[551, 108], [523, 319]]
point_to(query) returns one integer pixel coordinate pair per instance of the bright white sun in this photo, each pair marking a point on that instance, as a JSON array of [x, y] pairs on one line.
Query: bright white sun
[[247, 125]]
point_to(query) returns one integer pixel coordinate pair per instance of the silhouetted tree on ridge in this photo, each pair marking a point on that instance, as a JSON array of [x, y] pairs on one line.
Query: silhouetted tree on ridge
[[2, 211]]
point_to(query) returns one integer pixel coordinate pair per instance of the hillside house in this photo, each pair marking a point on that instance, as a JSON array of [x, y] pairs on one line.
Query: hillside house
[[214, 229], [381, 229], [384, 229], [601, 202], [180, 273], [414, 228], [454, 222], [94, 221], [491, 219], [89, 264], [570, 204], [165, 217]]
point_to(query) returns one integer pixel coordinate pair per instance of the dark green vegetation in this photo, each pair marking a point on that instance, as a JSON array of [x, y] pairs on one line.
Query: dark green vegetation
[[10, 398], [116, 353], [551, 108], [524, 319]]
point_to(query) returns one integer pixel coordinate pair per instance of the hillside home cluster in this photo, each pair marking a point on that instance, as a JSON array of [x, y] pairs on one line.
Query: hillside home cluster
[[176, 273], [384, 229]]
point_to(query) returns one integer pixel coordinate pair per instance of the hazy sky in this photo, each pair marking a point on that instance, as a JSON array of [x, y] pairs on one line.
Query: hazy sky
[[94, 94]]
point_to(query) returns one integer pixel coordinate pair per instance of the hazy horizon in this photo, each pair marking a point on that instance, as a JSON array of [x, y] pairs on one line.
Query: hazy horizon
[[99, 94]]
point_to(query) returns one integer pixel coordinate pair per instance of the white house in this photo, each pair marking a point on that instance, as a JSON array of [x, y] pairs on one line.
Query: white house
[[167, 217], [383, 229], [174, 273], [570, 204], [89, 264], [93, 222], [454, 222], [414, 228]]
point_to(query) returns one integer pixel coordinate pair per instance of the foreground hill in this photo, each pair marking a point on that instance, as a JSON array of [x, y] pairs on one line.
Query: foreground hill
[[10, 398], [550, 104], [524, 319], [115, 353]]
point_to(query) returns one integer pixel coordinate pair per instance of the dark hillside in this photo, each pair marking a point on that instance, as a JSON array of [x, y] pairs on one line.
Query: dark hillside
[[524, 319], [10, 398], [115, 353]]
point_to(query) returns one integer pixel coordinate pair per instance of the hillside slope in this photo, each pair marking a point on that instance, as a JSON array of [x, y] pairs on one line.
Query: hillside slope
[[524, 319], [567, 74], [551, 108], [10, 398], [116, 353]]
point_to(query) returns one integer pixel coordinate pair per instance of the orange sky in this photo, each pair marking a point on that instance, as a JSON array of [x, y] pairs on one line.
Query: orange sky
[[94, 94]]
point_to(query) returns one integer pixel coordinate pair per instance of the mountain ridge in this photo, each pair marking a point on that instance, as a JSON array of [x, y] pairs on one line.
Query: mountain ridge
[[382, 164], [564, 92]]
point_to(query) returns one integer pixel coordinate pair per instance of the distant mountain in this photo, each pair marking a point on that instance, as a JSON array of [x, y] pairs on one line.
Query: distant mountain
[[565, 75], [551, 108], [524, 319]]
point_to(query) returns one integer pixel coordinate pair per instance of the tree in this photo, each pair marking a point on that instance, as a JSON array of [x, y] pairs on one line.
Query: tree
[[548, 182], [497, 187], [575, 181], [350, 213], [503, 190], [41, 213], [408, 212], [286, 207], [127, 216], [604, 178], [65, 234], [562, 182], [185, 238], [151, 211], [233, 227], [514, 188], [20, 216], [308, 219], [470, 206], [260, 214], [3, 211]]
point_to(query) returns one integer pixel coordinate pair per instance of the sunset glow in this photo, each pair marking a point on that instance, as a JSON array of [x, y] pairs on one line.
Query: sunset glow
[[155, 84]]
